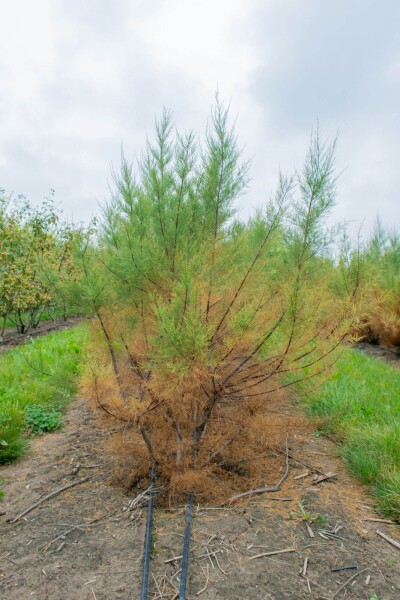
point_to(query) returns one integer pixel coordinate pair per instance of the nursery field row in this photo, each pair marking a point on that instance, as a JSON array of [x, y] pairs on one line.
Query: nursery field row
[[36, 382], [359, 405]]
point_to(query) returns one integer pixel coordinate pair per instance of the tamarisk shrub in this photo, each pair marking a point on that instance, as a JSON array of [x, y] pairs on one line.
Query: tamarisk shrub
[[204, 319]]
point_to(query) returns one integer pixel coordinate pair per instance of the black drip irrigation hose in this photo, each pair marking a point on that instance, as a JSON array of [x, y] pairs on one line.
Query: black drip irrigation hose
[[147, 544], [186, 547]]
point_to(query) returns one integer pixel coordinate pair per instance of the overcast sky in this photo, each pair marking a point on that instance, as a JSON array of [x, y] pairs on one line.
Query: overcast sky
[[78, 77]]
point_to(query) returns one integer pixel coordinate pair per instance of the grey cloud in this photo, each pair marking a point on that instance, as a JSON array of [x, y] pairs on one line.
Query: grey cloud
[[331, 61], [339, 53]]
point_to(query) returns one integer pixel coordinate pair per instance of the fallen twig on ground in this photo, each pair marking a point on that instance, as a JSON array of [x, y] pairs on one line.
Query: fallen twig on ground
[[388, 539], [300, 462], [341, 587], [306, 474], [173, 559], [9, 559], [138, 500], [80, 527], [214, 553], [61, 546], [76, 468], [281, 499], [373, 520], [324, 477], [331, 533], [55, 493], [203, 589], [265, 489], [303, 571], [285, 551], [310, 531]]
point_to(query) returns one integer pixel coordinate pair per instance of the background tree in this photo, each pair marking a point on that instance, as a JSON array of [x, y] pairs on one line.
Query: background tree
[[35, 257], [379, 317]]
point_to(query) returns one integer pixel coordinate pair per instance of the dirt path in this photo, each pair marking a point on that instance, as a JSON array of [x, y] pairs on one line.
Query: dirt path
[[102, 559], [389, 355]]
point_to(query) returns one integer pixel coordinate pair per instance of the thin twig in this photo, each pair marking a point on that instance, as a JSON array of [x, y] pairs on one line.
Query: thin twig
[[58, 491], [173, 559], [80, 527], [304, 569], [324, 477], [306, 474], [160, 594], [265, 489], [280, 499], [203, 589], [346, 583], [315, 469], [9, 559], [373, 520], [217, 561], [285, 551], [61, 546], [388, 539]]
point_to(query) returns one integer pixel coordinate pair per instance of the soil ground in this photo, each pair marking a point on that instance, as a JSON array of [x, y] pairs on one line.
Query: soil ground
[[389, 355], [87, 541]]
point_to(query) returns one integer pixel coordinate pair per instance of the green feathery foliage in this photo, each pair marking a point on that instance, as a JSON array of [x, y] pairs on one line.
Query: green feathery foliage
[[199, 313]]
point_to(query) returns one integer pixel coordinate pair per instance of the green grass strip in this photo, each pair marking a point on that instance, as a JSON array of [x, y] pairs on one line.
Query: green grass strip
[[36, 382], [361, 405]]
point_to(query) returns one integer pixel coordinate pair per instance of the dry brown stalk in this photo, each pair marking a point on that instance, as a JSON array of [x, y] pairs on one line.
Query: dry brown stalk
[[373, 520], [304, 569], [285, 551], [388, 539], [324, 477], [203, 589], [310, 531], [342, 586], [306, 474], [81, 527], [265, 489], [173, 559], [55, 493]]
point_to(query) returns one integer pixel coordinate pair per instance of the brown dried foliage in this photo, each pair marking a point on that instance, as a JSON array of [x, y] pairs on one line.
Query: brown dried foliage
[[380, 319], [237, 447]]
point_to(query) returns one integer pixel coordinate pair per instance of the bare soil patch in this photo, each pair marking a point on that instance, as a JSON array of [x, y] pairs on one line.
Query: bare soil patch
[[389, 355], [101, 555]]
